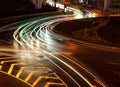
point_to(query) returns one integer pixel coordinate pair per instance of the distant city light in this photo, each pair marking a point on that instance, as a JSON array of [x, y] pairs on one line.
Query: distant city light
[[78, 15], [80, 1]]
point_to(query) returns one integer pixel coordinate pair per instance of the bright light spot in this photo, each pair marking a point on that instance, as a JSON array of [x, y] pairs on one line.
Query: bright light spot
[[94, 14], [60, 5], [50, 2], [78, 16], [80, 1], [38, 44]]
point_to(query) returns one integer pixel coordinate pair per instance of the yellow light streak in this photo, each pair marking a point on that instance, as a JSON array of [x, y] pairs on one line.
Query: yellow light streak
[[61, 80], [2, 62], [8, 57], [32, 72], [0, 67], [87, 81], [41, 77], [31, 44], [29, 76], [22, 68], [16, 78], [97, 80], [19, 72], [64, 71], [52, 83], [11, 68], [100, 82]]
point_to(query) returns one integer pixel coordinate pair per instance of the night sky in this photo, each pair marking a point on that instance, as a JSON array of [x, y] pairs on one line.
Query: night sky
[[15, 5]]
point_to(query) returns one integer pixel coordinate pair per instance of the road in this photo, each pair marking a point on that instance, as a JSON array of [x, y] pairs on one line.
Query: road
[[37, 36], [41, 58]]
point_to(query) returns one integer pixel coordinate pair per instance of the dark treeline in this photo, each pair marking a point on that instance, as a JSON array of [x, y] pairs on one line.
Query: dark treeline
[[19, 7], [15, 5]]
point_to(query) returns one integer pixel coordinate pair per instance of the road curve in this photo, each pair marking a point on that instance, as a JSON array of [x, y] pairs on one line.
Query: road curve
[[38, 36], [70, 63]]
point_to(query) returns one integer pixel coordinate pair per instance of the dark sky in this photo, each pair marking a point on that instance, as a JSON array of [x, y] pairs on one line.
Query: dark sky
[[9, 5]]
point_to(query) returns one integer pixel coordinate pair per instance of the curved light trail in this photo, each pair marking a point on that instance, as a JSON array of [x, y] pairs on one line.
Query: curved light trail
[[35, 39], [37, 35]]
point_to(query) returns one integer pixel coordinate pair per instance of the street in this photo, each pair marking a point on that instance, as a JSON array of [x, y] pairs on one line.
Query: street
[[41, 58]]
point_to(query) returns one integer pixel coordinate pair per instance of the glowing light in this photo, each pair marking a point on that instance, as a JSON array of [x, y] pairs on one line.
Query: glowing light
[[60, 5], [39, 78], [16, 78], [50, 2], [94, 15], [31, 35], [78, 16]]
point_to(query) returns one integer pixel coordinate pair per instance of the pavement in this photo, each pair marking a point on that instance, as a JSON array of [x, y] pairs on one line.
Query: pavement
[[25, 75]]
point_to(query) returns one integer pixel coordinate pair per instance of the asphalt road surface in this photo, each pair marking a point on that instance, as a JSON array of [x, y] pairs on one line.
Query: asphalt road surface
[[41, 58]]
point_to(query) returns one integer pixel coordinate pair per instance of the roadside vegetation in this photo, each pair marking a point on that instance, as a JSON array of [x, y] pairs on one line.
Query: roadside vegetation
[[111, 32], [87, 30], [90, 33]]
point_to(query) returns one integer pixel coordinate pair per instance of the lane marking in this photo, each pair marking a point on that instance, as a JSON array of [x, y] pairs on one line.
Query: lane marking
[[2, 62], [52, 83], [23, 68], [41, 77]]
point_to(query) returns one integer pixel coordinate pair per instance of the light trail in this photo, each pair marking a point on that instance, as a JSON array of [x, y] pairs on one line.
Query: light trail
[[17, 78], [37, 33], [80, 65]]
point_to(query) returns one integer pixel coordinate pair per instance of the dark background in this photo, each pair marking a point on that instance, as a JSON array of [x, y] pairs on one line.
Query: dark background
[[19, 7]]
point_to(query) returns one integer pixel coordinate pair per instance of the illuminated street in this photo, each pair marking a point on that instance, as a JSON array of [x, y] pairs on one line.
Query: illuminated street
[[32, 54], [38, 49]]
